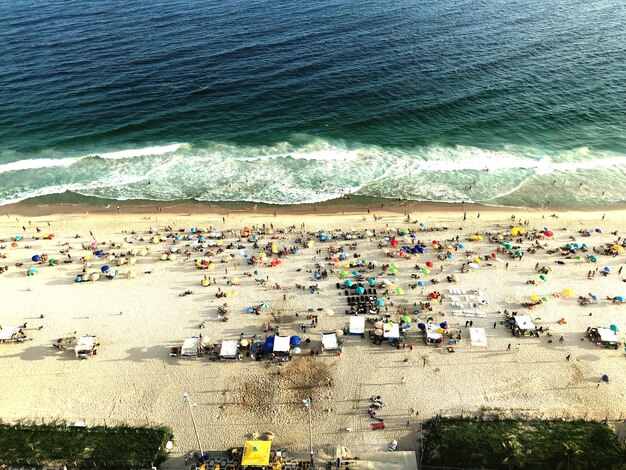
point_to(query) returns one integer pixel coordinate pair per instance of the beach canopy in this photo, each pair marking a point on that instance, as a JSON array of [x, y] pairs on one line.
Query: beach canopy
[[478, 337], [432, 332], [256, 453], [281, 344], [229, 349], [8, 332], [391, 330], [523, 322], [329, 341], [190, 347], [357, 325], [607, 335], [85, 345]]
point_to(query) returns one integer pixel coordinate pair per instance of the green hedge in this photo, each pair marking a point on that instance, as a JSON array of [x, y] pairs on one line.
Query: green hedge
[[121, 447], [512, 444]]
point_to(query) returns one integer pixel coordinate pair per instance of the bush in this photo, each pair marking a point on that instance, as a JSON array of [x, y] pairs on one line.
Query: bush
[[121, 447]]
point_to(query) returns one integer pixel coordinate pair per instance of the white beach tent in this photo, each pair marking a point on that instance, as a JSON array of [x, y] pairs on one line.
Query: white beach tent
[[357, 325], [281, 344], [8, 332], [329, 341], [190, 347], [391, 330], [478, 337], [523, 322], [229, 349], [85, 346], [607, 335], [432, 334]]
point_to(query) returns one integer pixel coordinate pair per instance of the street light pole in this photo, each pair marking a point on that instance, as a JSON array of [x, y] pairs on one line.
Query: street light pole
[[193, 420], [307, 403]]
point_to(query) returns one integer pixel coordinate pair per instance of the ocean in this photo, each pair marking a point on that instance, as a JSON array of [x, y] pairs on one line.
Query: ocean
[[503, 103]]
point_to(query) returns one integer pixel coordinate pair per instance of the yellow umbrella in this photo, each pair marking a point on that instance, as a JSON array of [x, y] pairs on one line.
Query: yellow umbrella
[[256, 453]]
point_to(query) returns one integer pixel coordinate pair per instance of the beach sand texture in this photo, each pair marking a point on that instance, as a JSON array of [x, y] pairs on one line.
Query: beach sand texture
[[133, 379]]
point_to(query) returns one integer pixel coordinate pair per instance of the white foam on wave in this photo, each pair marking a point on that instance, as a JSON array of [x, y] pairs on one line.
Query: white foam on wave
[[42, 163]]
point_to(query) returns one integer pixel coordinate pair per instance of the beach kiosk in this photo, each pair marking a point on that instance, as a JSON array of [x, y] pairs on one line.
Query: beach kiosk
[[604, 338], [523, 326], [281, 346], [357, 326], [329, 342], [229, 349], [190, 348], [256, 454], [87, 347]]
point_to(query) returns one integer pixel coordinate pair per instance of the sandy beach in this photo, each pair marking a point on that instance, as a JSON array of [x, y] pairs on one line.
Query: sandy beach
[[138, 319]]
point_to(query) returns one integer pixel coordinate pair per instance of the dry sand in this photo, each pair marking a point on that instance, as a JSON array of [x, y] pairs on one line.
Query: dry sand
[[134, 380]]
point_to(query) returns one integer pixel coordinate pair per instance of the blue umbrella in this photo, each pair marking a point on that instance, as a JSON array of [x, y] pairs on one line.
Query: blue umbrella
[[249, 310], [104, 268], [360, 290], [607, 269], [99, 252], [419, 249], [598, 230], [348, 283], [420, 283], [421, 326], [371, 281], [463, 246], [295, 340], [36, 258], [380, 303]]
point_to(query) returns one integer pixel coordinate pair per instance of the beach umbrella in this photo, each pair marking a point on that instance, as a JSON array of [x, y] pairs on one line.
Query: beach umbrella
[[295, 340], [78, 279], [614, 328], [36, 258], [378, 332], [399, 291], [518, 253], [329, 311], [543, 277], [429, 264], [380, 303], [617, 248], [426, 271], [606, 269], [548, 233], [473, 265], [371, 281], [393, 271], [619, 298], [360, 290], [420, 283], [356, 273], [348, 283], [567, 292], [104, 268], [17, 238], [406, 319], [339, 333], [296, 350], [378, 324], [534, 298], [493, 255], [593, 258], [32, 271], [544, 299], [13, 245], [421, 326], [598, 230], [444, 325]]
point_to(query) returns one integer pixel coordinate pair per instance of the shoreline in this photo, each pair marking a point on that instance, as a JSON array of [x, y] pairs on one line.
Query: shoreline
[[66, 205]]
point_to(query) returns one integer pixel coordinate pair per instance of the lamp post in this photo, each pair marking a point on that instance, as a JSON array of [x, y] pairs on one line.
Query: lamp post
[[307, 403], [193, 420]]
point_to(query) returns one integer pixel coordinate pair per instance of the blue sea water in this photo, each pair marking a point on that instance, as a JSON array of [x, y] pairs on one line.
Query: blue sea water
[[512, 103]]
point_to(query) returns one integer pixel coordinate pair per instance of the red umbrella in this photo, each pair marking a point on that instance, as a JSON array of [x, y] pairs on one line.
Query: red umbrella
[[548, 233], [429, 264]]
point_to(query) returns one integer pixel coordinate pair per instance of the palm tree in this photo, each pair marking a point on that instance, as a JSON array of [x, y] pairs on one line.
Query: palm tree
[[571, 457], [514, 457]]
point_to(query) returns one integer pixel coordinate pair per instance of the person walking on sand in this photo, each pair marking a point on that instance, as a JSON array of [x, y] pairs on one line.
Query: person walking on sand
[[508, 347], [568, 357]]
